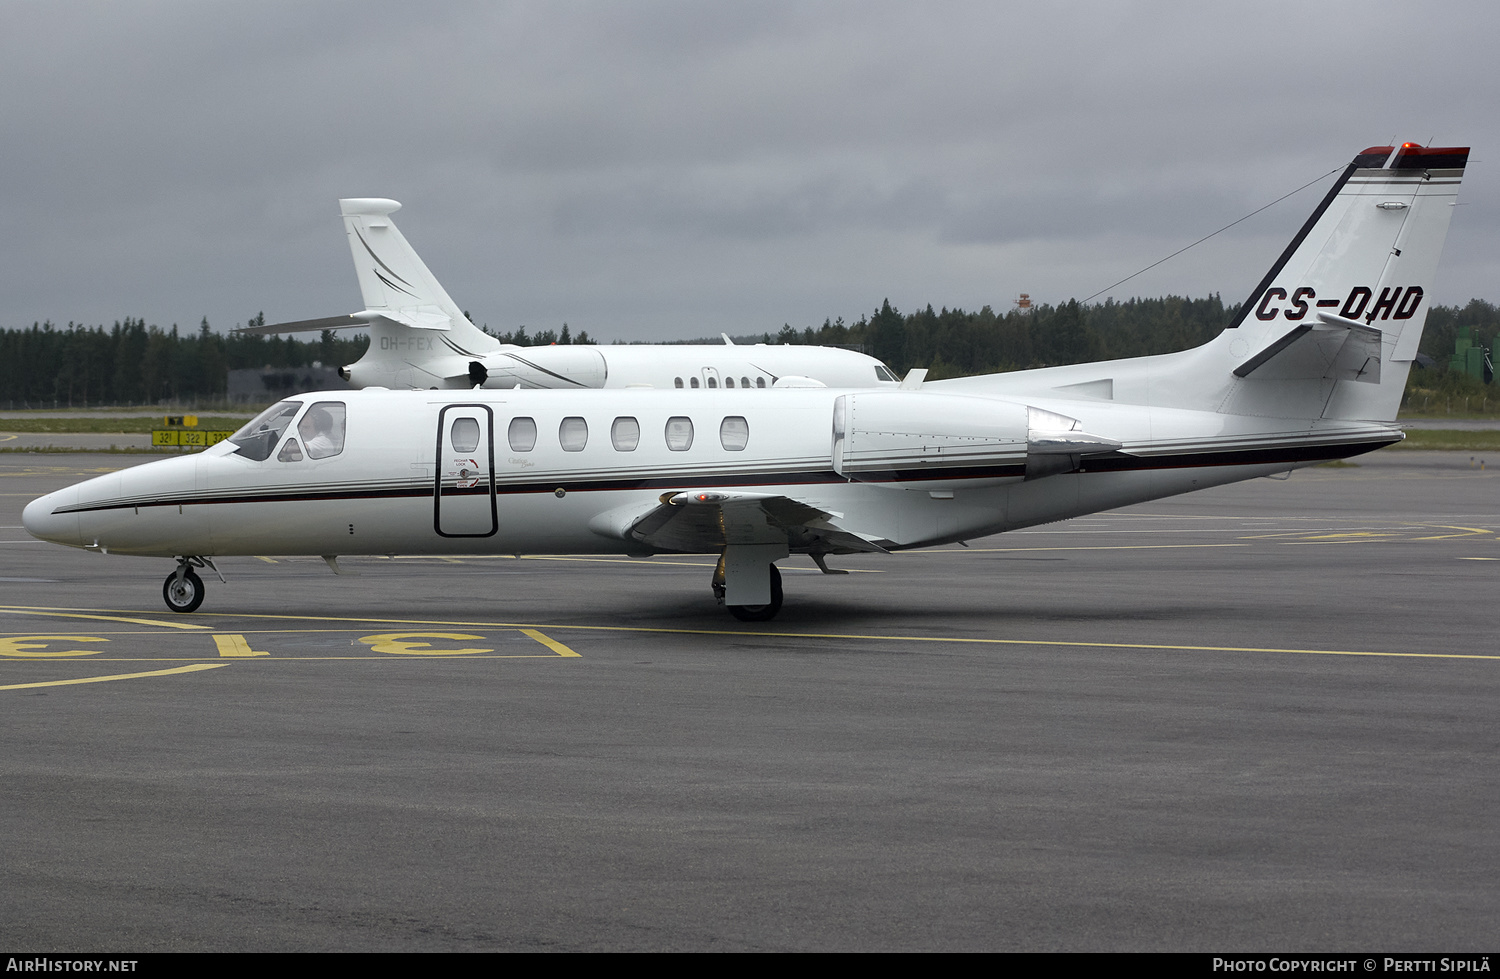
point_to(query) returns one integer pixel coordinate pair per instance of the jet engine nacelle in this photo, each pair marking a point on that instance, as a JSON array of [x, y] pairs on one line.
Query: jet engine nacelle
[[880, 435], [885, 435], [553, 366], [530, 367]]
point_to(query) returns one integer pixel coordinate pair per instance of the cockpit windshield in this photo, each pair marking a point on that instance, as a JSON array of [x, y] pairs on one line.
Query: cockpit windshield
[[256, 440]]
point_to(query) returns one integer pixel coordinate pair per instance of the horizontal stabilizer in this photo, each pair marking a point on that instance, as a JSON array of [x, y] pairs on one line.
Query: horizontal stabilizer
[[414, 319], [347, 322], [1333, 347]]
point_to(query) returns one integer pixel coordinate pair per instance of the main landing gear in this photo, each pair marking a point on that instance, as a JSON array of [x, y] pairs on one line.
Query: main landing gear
[[768, 589], [183, 590]]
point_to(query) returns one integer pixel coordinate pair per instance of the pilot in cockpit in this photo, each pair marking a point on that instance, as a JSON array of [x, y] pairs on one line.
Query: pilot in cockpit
[[326, 438]]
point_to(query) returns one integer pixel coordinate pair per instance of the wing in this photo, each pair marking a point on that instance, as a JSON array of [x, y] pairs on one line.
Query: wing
[[710, 519]]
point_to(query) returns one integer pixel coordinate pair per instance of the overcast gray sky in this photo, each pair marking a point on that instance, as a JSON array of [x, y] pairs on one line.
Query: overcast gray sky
[[647, 170]]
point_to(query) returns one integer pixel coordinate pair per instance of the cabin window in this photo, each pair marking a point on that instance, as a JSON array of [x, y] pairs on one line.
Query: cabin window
[[744, 382], [464, 435], [734, 433], [522, 434], [760, 382], [322, 429], [256, 440], [625, 433], [883, 373], [679, 433], [573, 433], [677, 382], [290, 452], [693, 381], [713, 382], [729, 382]]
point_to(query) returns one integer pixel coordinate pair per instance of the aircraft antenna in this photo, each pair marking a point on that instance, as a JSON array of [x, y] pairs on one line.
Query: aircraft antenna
[[1208, 236]]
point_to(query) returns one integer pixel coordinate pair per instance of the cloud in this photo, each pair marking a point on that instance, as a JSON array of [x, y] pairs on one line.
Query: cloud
[[655, 170]]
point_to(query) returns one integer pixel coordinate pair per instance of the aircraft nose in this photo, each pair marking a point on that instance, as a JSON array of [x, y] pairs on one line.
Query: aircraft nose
[[42, 521]]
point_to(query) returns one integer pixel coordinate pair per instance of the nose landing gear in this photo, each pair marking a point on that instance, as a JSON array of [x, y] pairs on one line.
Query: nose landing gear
[[183, 590]]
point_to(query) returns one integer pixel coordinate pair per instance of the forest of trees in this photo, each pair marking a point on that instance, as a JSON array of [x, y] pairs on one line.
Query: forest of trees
[[133, 363], [954, 343]]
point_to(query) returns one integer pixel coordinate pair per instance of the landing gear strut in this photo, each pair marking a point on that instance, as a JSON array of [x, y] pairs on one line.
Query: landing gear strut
[[750, 613], [183, 590]]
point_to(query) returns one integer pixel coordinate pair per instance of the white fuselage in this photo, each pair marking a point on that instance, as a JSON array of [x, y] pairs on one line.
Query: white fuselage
[[908, 469]]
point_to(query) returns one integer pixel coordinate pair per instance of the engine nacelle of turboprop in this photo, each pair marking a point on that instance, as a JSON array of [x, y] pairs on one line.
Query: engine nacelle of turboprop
[[553, 366], [884, 435]]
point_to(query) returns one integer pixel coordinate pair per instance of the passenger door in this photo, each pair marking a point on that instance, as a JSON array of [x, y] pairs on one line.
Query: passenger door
[[464, 490]]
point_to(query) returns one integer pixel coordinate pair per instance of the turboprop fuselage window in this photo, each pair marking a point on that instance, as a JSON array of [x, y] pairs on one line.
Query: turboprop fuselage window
[[679, 433], [522, 434], [322, 429], [760, 382], [734, 433], [729, 382], [573, 433], [256, 440], [625, 433], [464, 435]]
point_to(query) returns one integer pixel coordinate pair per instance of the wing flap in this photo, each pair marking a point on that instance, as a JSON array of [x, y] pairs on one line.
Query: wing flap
[[701, 520]]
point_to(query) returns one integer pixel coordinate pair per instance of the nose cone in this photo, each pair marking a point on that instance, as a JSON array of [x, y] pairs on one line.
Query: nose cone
[[43, 521]]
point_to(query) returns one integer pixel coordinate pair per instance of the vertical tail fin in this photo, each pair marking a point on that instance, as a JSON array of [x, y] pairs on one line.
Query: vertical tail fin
[[397, 286], [1346, 302]]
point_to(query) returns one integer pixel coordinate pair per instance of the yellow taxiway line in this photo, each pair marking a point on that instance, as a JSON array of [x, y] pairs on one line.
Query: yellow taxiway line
[[534, 631], [76, 614], [119, 676]]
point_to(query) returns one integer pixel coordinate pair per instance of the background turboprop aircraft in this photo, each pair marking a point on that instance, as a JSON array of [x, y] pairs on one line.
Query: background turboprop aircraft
[[419, 338], [1312, 370]]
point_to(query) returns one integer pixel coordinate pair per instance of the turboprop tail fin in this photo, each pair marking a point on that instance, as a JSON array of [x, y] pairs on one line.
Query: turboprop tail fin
[[1345, 303]]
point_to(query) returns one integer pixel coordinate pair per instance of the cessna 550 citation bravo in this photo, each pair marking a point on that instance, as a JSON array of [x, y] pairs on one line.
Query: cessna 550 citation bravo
[[1313, 369], [419, 338]]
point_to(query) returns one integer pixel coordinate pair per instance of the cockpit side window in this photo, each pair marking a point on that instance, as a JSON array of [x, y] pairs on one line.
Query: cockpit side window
[[256, 440], [322, 429]]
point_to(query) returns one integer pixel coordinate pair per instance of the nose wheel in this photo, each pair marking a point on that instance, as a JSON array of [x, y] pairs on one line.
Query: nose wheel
[[183, 590]]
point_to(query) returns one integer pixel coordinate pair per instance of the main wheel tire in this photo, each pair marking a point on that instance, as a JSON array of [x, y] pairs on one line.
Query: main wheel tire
[[761, 613], [184, 595]]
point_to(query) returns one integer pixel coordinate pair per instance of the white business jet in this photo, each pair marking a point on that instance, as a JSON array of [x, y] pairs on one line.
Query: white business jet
[[1313, 369], [419, 338]]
